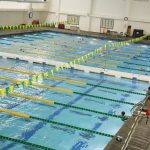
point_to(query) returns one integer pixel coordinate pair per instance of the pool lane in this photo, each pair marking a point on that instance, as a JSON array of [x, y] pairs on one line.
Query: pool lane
[[122, 63]]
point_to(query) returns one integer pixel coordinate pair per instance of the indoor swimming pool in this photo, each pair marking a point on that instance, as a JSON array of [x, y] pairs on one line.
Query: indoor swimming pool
[[133, 58], [84, 108]]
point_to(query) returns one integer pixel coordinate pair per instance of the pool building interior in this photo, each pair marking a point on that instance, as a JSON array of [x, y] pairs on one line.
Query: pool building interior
[[74, 75]]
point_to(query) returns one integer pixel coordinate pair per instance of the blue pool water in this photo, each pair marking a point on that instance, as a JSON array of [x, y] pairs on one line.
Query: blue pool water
[[133, 58], [64, 47], [56, 136]]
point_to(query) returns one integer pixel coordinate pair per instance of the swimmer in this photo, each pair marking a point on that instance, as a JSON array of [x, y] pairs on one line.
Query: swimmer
[[21, 50], [134, 56], [124, 118], [123, 113]]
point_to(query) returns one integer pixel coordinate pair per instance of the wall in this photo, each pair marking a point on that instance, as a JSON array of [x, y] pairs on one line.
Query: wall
[[14, 13], [139, 16], [90, 12]]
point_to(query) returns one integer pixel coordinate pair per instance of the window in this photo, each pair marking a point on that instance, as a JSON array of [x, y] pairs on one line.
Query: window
[[73, 20], [107, 23]]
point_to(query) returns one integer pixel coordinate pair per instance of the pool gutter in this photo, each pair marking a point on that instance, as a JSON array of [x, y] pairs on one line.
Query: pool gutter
[[87, 69]]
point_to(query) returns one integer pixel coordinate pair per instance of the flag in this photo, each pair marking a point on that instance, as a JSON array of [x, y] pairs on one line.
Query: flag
[[62, 67], [2, 92], [11, 88], [71, 64], [40, 77], [7, 90], [34, 78], [57, 69], [82, 58], [46, 74], [78, 60], [52, 72], [22, 83], [26, 83]]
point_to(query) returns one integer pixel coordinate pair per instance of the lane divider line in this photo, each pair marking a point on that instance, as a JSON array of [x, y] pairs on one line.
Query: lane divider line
[[52, 88], [54, 122], [14, 113], [50, 102], [19, 71], [24, 142], [76, 82], [130, 68], [136, 64], [106, 87]]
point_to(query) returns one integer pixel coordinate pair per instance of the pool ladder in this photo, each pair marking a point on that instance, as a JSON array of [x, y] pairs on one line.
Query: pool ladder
[[139, 104]]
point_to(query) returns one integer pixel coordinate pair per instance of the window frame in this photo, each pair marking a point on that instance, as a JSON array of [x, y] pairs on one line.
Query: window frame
[[76, 17], [107, 23]]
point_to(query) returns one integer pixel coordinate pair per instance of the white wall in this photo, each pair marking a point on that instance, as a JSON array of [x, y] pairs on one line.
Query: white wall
[[140, 15], [90, 12], [75, 6], [14, 13], [93, 10]]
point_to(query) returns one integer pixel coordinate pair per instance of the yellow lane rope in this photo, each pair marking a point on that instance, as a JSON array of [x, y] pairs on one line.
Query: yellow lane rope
[[50, 102], [41, 54], [122, 53], [19, 71], [54, 41], [121, 57], [71, 47], [51, 77], [14, 113], [109, 60], [52, 88], [41, 86], [21, 46], [10, 49], [67, 80], [102, 64], [10, 80], [40, 49], [134, 51]]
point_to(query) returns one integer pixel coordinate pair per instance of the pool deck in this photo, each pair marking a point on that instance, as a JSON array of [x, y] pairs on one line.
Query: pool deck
[[135, 133], [67, 31]]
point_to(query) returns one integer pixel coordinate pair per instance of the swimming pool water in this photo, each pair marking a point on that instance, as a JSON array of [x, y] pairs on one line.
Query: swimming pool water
[[56, 136], [64, 47]]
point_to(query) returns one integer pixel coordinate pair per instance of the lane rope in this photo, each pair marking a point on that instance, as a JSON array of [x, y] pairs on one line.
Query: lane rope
[[25, 142], [54, 122]]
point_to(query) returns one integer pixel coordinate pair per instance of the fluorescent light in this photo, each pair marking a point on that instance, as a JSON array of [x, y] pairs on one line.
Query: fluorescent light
[[27, 1]]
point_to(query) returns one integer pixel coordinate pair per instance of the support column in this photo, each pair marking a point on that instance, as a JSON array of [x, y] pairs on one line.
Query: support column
[[127, 14], [58, 10], [89, 14], [30, 11]]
